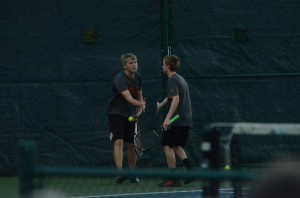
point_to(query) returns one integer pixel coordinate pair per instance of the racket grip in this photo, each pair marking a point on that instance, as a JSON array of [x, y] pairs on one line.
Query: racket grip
[[176, 117]]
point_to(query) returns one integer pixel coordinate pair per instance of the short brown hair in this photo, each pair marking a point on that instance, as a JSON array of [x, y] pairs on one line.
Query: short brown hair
[[172, 61], [126, 57]]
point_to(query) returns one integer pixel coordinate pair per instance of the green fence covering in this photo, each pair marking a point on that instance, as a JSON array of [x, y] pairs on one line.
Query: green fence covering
[[58, 58]]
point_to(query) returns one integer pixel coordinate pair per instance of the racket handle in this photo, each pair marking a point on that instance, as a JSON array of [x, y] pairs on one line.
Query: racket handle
[[174, 118]]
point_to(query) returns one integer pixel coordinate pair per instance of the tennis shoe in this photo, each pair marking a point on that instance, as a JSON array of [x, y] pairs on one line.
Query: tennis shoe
[[121, 179], [170, 183], [134, 179]]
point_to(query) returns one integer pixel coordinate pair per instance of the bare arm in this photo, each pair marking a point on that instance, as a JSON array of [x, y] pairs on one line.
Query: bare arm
[[126, 94], [140, 98], [160, 105], [173, 107]]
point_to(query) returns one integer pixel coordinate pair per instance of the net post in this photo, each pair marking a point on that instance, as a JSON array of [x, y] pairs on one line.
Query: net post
[[210, 157], [236, 165], [26, 167]]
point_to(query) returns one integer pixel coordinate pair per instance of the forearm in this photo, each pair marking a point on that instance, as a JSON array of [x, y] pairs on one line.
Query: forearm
[[163, 103], [126, 94], [140, 98], [173, 107], [135, 102]]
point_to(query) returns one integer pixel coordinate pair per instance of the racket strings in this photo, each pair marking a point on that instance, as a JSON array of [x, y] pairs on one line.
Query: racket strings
[[139, 145], [148, 139]]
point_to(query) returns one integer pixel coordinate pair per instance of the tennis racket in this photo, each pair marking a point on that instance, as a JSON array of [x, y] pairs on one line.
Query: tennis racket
[[148, 138]]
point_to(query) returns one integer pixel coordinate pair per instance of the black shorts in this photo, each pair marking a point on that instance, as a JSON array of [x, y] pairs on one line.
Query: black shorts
[[121, 128], [175, 136]]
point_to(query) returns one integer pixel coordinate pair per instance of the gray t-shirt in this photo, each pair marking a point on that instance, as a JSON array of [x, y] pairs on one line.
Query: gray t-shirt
[[177, 86], [117, 103]]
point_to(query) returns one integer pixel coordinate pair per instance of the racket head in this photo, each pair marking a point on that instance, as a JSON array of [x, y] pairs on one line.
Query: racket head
[[147, 139], [139, 145]]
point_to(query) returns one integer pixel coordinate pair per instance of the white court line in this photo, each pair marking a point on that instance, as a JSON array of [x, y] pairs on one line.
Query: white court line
[[131, 194], [227, 190]]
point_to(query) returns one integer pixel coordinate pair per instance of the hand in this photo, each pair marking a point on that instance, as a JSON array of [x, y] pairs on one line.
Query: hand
[[144, 99], [141, 108], [166, 124], [144, 106], [139, 113]]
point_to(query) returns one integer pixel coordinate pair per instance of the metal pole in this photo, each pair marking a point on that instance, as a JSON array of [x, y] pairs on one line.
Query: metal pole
[[26, 167], [166, 47]]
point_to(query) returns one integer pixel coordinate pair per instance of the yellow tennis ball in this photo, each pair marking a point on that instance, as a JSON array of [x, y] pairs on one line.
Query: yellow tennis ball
[[227, 168], [130, 119]]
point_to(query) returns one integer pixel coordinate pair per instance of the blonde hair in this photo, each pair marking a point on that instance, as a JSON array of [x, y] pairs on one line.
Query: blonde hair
[[126, 57]]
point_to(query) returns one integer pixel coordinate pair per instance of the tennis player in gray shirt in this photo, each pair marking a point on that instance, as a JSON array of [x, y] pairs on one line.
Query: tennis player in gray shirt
[[175, 135], [126, 100]]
